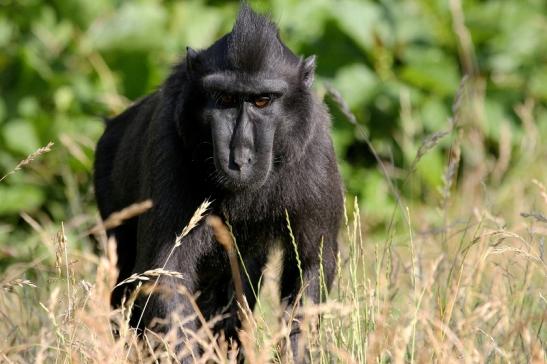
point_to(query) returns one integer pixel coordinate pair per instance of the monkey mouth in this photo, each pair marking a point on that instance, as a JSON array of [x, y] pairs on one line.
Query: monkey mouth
[[239, 179], [244, 181]]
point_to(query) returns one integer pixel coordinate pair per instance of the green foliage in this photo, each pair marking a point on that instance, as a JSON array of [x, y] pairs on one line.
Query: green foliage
[[65, 65], [453, 271]]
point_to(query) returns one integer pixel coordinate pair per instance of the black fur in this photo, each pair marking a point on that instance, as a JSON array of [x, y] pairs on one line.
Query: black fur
[[179, 146]]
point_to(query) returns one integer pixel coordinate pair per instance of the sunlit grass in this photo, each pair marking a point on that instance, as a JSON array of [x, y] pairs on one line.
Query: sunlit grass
[[459, 278], [470, 290]]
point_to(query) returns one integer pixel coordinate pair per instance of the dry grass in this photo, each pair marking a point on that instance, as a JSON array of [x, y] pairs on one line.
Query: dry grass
[[118, 218], [482, 300], [459, 279], [28, 160]]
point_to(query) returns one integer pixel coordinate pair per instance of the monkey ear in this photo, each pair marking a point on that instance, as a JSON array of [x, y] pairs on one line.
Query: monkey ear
[[193, 61], [308, 71]]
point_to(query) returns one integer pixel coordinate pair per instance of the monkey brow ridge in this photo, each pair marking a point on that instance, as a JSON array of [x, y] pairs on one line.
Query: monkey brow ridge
[[230, 81]]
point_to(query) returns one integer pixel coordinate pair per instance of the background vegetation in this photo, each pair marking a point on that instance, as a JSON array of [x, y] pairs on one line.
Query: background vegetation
[[446, 261]]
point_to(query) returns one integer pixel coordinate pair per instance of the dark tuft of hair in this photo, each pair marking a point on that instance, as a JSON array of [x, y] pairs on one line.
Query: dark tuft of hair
[[254, 41]]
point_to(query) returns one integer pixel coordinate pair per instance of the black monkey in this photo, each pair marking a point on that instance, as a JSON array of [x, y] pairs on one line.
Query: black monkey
[[236, 123]]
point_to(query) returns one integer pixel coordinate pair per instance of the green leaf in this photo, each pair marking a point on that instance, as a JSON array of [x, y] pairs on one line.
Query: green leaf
[[356, 83], [6, 32], [290, 14], [135, 26], [28, 107], [430, 168], [538, 83], [2, 111], [495, 115], [375, 192], [434, 114], [360, 20], [431, 69], [20, 136], [195, 25], [20, 198]]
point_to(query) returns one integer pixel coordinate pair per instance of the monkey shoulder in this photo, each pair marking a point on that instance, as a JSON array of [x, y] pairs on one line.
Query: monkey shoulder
[[119, 155], [313, 184]]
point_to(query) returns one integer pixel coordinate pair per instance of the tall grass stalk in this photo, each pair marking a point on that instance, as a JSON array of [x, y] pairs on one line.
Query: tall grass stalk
[[460, 278]]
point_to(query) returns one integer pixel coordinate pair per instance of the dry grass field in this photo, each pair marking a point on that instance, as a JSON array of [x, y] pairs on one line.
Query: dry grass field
[[457, 279]]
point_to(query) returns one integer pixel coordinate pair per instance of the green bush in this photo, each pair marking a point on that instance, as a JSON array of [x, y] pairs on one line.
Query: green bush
[[65, 65]]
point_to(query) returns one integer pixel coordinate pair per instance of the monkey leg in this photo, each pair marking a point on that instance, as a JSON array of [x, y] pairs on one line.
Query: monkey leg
[[169, 304], [225, 301], [126, 241], [314, 265]]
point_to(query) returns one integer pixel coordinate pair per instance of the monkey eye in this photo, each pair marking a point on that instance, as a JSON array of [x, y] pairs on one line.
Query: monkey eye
[[262, 101], [227, 100]]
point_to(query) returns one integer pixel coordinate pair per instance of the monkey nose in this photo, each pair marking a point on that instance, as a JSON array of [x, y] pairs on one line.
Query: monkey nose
[[243, 158]]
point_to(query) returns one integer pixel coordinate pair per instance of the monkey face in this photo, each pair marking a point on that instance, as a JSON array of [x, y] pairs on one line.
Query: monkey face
[[257, 105], [243, 113]]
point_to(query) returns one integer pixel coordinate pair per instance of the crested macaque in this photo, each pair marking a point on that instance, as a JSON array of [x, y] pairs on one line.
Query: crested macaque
[[238, 124]]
